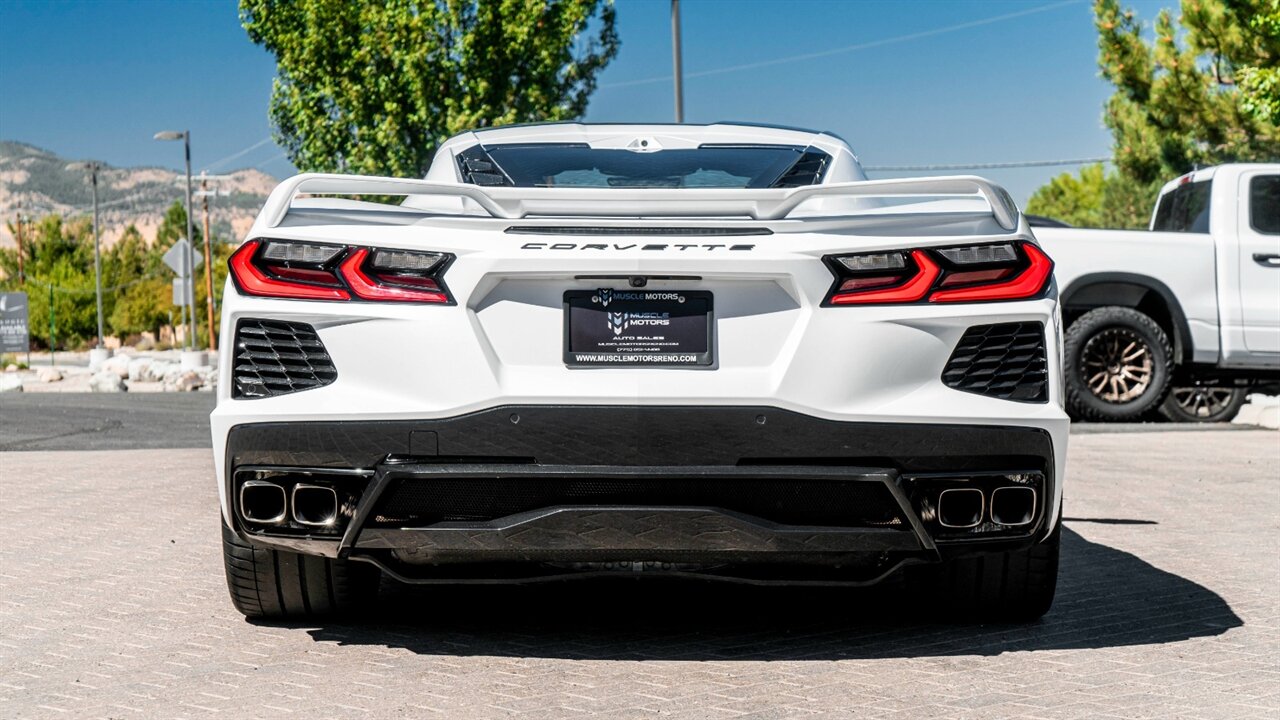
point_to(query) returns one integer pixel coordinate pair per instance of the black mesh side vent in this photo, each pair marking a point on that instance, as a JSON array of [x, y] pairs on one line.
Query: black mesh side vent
[[808, 170], [275, 357], [1006, 361]]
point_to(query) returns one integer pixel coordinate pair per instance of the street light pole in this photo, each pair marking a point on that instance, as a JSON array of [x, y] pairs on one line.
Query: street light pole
[[93, 166], [97, 252], [22, 276], [678, 65], [191, 265], [188, 254]]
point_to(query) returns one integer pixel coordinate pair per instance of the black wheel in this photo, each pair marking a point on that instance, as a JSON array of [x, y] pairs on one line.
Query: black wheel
[[278, 584], [1118, 363], [1203, 404], [1015, 586]]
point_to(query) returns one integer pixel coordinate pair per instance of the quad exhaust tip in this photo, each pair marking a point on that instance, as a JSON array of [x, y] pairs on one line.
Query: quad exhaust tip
[[262, 502], [961, 507], [1013, 506], [314, 505]]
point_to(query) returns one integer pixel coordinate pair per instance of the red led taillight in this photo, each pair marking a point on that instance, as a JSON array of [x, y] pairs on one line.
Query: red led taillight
[[906, 287], [971, 273], [251, 278], [1027, 283], [370, 284], [312, 271]]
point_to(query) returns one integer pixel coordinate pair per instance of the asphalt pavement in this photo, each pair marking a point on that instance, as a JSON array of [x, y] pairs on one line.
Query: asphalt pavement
[[105, 421], [113, 604], [156, 421]]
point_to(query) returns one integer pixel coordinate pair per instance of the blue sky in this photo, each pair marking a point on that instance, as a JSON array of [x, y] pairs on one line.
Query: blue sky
[[906, 82]]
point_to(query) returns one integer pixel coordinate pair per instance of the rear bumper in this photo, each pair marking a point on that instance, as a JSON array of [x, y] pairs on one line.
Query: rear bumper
[[720, 491]]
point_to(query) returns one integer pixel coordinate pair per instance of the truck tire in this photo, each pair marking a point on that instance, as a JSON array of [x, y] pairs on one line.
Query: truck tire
[[1118, 363], [1015, 586], [1203, 404], [275, 584]]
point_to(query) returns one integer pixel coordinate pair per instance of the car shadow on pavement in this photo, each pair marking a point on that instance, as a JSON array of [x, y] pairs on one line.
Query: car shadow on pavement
[[1106, 598]]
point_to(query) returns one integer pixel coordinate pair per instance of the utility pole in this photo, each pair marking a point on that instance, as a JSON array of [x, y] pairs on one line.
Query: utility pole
[[208, 261], [678, 65]]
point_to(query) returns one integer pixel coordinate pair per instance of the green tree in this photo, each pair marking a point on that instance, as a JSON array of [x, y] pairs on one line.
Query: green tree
[[1203, 91], [173, 226], [373, 86], [142, 298], [1176, 104], [1260, 82], [1095, 199], [58, 255]]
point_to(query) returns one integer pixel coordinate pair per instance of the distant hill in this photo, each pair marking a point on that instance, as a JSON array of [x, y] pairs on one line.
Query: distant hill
[[42, 183]]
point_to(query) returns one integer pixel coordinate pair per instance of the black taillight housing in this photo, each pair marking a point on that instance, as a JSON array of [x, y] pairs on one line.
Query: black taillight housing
[[1012, 270], [318, 271]]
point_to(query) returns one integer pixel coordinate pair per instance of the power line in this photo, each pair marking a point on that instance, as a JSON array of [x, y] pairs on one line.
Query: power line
[[240, 154], [264, 163], [852, 48], [985, 166], [87, 291]]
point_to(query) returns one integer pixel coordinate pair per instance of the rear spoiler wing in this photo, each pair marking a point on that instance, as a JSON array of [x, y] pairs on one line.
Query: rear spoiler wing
[[518, 203]]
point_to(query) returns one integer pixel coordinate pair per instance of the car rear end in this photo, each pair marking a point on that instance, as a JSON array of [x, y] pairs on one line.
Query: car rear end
[[792, 392]]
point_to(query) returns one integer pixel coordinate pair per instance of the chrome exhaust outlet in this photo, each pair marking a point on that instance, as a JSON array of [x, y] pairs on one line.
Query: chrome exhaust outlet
[[262, 502], [1013, 506], [960, 507], [314, 505]]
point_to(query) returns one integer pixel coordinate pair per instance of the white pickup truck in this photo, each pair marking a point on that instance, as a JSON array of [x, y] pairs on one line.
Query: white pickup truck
[[1182, 319]]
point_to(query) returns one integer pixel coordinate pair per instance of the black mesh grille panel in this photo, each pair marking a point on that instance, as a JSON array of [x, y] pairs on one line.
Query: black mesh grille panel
[[274, 357], [1005, 361], [789, 501]]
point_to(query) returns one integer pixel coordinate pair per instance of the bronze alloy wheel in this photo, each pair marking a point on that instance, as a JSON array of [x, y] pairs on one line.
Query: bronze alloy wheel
[[1204, 402], [1117, 365]]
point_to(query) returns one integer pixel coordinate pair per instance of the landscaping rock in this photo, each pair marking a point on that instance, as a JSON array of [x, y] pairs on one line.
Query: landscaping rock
[[10, 383], [11, 368], [138, 368], [186, 382], [156, 371], [118, 364], [107, 381], [48, 375]]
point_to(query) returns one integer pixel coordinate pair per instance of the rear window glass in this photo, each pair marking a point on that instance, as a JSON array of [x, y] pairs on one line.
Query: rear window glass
[[1184, 209], [1264, 204], [708, 166]]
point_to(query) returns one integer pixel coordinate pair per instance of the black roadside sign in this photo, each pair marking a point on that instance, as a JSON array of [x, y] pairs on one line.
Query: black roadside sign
[[14, 335]]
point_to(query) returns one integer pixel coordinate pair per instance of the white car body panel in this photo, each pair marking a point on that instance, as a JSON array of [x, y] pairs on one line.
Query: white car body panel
[[775, 345]]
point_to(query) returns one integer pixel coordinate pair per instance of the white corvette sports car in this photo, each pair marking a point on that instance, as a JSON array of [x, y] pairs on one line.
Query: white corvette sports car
[[579, 350]]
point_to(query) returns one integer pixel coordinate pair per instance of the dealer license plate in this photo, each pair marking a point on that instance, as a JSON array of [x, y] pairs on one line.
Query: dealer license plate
[[627, 328]]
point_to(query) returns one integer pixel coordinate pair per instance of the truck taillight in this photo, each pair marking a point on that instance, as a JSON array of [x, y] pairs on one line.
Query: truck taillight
[[969, 273], [315, 271]]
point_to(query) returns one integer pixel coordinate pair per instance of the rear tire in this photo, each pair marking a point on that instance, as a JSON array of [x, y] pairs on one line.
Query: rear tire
[[1204, 404], [1118, 363], [279, 584], [1016, 586]]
